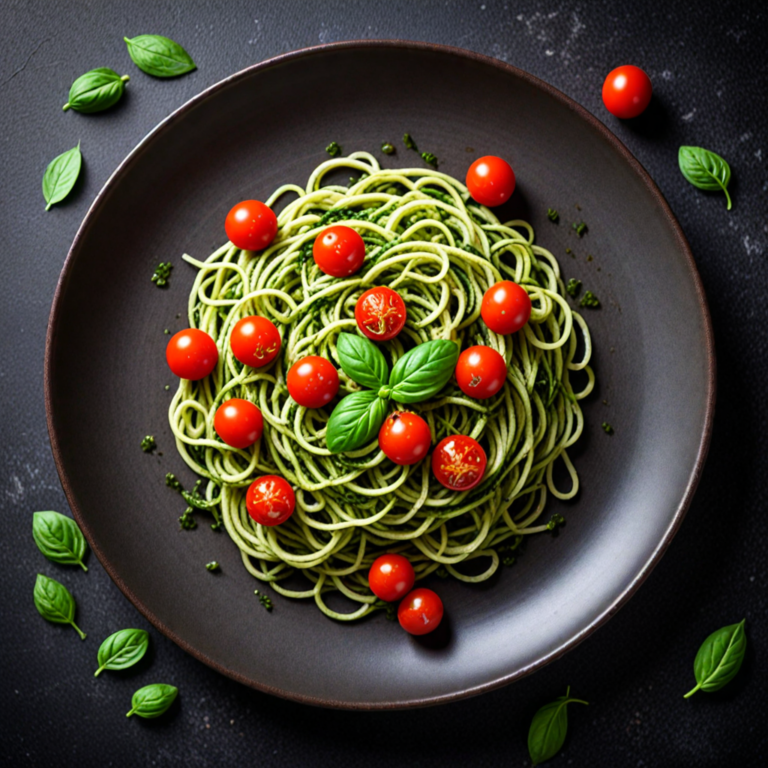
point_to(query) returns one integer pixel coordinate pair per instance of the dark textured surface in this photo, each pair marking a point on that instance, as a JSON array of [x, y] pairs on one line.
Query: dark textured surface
[[710, 91]]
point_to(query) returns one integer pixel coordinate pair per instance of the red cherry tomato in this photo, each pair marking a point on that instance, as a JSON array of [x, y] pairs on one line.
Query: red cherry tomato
[[313, 382], [506, 307], [480, 372], [459, 462], [627, 91], [191, 354], [380, 313], [490, 181], [420, 612], [405, 437], [270, 500], [251, 225], [339, 251], [255, 341], [391, 577], [238, 423]]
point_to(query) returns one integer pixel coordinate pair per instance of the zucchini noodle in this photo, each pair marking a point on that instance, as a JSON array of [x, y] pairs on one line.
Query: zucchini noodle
[[441, 251]]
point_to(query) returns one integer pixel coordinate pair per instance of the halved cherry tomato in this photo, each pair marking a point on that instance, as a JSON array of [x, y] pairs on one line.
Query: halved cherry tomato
[[506, 307], [405, 438], [251, 225], [238, 423], [380, 313], [627, 91], [459, 462], [270, 500], [313, 382], [391, 577], [339, 251], [255, 341], [420, 612], [191, 354], [480, 372], [490, 180]]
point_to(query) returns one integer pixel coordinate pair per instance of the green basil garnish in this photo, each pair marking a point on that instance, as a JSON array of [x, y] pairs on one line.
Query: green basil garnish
[[362, 361], [60, 176], [355, 421], [96, 90], [424, 371], [719, 658], [159, 56], [122, 649], [153, 700], [705, 170], [55, 603], [59, 538], [549, 727]]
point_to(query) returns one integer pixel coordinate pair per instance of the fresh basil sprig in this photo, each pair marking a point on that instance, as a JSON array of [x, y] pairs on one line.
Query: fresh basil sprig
[[96, 90], [122, 650], [152, 700], [355, 421], [705, 170], [55, 603], [60, 175], [362, 361], [549, 727], [159, 56], [59, 538], [424, 371], [719, 658]]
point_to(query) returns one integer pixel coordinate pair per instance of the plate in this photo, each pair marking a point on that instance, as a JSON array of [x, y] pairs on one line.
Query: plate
[[105, 368]]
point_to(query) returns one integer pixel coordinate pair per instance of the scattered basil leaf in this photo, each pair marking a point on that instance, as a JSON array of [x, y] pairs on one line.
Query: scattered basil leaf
[[429, 159], [96, 91], [589, 300], [59, 538], [122, 650], [355, 421], [55, 603], [423, 371], [159, 56], [705, 170], [362, 360], [60, 175], [719, 658], [153, 700], [573, 287], [409, 142], [548, 729]]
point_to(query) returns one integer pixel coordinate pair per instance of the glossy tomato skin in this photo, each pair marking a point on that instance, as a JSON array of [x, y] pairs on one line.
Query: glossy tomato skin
[[339, 251], [627, 91], [191, 354], [458, 462], [270, 500], [313, 381], [391, 577], [480, 372], [255, 341], [420, 612], [506, 307], [490, 181], [251, 225], [405, 438], [380, 313], [238, 423]]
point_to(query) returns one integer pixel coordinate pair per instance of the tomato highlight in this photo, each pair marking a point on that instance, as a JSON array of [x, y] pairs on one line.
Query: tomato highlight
[[251, 225], [270, 500], [405, 438], [255, 341], [627, 91], [191, 354], [506, 307], [391, 577], [458, 462], [238, 423], [420, 612], [490, 181], [312, 381], [380, 313], [481, 372]]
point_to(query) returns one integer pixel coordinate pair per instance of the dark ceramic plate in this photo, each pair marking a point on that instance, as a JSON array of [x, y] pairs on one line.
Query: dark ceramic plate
[[106, 371]]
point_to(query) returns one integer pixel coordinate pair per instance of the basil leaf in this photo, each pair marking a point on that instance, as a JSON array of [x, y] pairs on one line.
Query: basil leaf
[[59, 538], [153, 700], [159, 56], [96, 90], [355, 421], [719, 658], [60, 176], [55, 603], [362, 360], [122, 649], [424, 371], [548, 729], [705, 170]]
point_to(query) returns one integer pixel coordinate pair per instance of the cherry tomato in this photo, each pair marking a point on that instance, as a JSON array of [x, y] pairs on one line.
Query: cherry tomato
[[420, 612], [405, 437], [490, 181], [506, 307], [270, 500], [191, 354], [380, 313], [481, 372], [251, 225], [459, 462], [255, 341], [339, 251], [238, 423], [391, 577], [313, 382], [627, 91]]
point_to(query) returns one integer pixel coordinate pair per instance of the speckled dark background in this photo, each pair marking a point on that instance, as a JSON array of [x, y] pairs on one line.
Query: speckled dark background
[[707, 63]]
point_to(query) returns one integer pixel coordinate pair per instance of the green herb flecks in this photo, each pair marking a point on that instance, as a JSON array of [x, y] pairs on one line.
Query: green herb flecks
[[607, 428], [54, 602], [719, 658], [555, 521], [409, 142], [549, 728], [589, 300], [508, 560], [162, 274], [573, 287], [580, 228], [429, 159], [148, 444], [122, 649], [705, 170], [152, 700], [265, 600], [59, 538], [442, 572], [159, 56], [60, 176], [552, 214], [96, 91], [187, 520], [172, 482], [333, 149], [212, 566], [387, 148]]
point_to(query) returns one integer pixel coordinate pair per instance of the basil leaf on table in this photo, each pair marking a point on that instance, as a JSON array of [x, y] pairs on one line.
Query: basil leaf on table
[[424, 371], [60, 176], [96, 90], [705, 170], [122, 650], [59, 538], [55, 603], [355, 421], [719, 658], [549, 727], [362, 361], [152, 700], [159, 56]]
